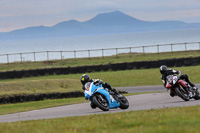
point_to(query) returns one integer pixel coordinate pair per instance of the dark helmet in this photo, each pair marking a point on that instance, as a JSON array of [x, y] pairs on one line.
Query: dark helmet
[[163, 69], [84, 78]]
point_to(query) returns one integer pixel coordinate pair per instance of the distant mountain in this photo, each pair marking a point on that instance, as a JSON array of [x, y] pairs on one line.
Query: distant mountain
[[106, 23]]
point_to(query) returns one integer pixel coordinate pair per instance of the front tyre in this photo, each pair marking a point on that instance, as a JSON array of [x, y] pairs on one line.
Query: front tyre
[[101, 102], [182, 93]]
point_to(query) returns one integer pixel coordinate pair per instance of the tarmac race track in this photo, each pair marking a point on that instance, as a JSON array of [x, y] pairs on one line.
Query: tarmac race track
[[137, 102]]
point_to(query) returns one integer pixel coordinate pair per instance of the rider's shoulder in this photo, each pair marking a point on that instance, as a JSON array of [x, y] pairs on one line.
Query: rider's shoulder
[[95, 80], [171, 70]]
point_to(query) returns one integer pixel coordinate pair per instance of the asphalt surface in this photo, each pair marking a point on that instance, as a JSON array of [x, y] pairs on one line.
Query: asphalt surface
[[142, 88], [137, 102]]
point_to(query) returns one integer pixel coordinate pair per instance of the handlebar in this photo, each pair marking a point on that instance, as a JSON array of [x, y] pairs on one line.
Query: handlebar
[[179, 75]]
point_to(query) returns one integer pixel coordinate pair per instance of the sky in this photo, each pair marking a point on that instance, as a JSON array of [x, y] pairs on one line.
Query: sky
[[17, 14]]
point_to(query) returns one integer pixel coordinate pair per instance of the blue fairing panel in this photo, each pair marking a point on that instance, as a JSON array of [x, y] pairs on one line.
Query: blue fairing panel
[[113, 104]]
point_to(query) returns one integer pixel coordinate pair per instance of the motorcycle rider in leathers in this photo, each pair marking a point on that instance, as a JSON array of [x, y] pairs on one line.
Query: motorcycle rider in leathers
[[85, 78], [165, 72]]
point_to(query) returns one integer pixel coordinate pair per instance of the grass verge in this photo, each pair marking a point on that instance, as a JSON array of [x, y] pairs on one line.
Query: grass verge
[[36, 86], [168, 120]]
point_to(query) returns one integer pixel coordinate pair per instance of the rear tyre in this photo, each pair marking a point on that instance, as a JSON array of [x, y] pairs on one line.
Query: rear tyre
[[124, 104], [101, 102], [197, 96], [182, 93]]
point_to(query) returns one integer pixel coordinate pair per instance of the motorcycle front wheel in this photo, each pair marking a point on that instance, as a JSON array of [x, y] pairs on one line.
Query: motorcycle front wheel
[[101, 102], [182, 93]]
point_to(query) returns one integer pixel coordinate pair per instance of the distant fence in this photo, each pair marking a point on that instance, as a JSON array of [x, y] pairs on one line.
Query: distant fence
[[60, 55]]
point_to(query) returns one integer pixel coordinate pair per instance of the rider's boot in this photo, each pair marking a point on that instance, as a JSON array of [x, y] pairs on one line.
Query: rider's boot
[[194, 88], [191, 92], [190, 83]]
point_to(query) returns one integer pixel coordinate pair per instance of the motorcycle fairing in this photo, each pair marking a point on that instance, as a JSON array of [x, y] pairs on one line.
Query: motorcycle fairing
[[183, 83], [112, 102], [168, 85], [99, 89]]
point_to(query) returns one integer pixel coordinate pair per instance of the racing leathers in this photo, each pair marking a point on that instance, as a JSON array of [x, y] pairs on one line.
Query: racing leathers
[[99, 81]]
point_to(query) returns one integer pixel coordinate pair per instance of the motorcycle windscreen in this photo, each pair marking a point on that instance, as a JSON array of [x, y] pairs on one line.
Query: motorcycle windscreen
[[87, 85], [169, 81], [87, 90]]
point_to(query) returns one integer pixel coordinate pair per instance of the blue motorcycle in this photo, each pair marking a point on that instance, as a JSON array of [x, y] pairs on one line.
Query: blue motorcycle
[[104, 98]]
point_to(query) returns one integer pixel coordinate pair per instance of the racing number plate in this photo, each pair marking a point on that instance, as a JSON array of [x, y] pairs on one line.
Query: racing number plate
[[88, 88]]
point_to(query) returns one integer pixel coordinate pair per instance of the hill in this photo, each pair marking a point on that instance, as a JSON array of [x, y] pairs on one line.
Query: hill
[[105, 23]]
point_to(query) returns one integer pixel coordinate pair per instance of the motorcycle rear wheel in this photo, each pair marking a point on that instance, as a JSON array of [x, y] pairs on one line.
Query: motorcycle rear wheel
[[101, 102], [182, 94], [124, 104], [197, 96]]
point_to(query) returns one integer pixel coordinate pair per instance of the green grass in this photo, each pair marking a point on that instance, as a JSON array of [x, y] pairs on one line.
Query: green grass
[[98, 60], [36, 86], [71, 82], [168, 120]]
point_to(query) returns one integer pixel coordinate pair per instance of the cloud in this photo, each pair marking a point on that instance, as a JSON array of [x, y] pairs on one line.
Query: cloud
[[24, 13], [38, 7]]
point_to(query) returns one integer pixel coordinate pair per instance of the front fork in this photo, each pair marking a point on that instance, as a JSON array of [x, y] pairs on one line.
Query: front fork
[[185, 88], [102, 99]]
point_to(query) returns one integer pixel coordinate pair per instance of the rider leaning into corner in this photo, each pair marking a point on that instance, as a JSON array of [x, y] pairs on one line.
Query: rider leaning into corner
[[85, 78], [165, 72]]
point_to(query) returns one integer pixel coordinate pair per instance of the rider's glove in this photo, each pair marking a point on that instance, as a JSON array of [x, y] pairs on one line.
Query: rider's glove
[[97, 82]]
